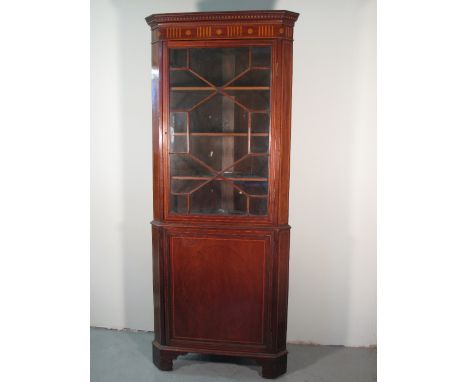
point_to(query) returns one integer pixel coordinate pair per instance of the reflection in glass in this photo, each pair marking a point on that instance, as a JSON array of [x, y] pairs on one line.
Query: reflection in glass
[[178, 122], [178, 144]]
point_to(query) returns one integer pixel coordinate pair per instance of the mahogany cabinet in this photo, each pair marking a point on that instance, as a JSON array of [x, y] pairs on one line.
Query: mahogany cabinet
[[221, 99]]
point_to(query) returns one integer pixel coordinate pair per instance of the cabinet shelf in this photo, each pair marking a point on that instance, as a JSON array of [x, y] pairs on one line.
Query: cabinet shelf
[[209, 88], [222, 134], [240, 179], [254, 67]]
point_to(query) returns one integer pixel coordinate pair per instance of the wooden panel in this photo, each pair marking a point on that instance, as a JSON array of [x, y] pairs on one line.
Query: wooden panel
[[222, 32], [218, 288], [158, 283], [286, 77], [283, 285]]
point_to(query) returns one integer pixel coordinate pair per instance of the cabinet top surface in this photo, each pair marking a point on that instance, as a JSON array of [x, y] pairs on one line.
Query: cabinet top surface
[[236, 16]]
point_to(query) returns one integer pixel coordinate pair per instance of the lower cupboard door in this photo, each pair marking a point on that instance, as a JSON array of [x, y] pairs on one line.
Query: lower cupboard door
[[218, 288]]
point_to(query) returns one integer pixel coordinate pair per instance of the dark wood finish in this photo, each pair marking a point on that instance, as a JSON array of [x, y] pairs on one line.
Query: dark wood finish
[[273, 367], [222, 25], [163, 358], [220, 282], [205, 271]]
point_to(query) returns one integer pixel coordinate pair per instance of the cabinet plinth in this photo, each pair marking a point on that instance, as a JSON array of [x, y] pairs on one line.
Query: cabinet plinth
[[221, 100]]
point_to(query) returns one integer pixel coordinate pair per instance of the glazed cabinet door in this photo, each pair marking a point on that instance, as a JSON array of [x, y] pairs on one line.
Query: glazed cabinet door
[[217, 288], [219, 130]]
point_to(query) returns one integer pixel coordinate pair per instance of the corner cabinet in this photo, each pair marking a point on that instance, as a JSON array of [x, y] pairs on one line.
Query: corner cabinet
[[221, 99]]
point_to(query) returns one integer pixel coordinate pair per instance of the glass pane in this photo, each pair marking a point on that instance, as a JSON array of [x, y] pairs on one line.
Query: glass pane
[[219, 114], [252, 99], [178, 58], [185, 78], [255, 77], [250, 167], [260, 122], [258, 206], [179, 204], [253, 187], [185, 186], [261, 56], [186, 100], [259, 144], [218, 197], [218, 152], [178, 144], [178, 122], [219, 130], [183, 165], [219, 65]]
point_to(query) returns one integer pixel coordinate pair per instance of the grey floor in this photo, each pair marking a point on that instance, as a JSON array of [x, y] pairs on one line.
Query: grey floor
[[124, 356]]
